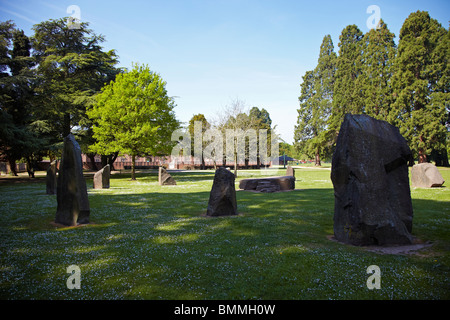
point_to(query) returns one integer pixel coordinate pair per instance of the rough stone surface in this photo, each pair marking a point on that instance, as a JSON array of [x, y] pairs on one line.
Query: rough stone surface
[[101, 178], [426, 175], [269, 184], [290, 171], [51, 177], [371, 185], [73, 203], [222, 198], [164, 178]]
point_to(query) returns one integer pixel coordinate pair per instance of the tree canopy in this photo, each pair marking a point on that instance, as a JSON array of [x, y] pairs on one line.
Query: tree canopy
[[421, 85], [134, 115], [311, 132], [407, 86]]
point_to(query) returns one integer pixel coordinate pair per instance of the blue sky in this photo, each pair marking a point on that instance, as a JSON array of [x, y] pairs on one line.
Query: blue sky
[[211, 52]]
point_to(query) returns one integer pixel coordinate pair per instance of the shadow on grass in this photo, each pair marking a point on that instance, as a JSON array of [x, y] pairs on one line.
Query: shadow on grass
[[157, 245]]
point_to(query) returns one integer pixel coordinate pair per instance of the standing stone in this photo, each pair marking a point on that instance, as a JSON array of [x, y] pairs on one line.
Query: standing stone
[[290, 171], [101, 178], [51, 178], [222, 199], [371, 185], [164, 178], [73, 203], [426, 175]]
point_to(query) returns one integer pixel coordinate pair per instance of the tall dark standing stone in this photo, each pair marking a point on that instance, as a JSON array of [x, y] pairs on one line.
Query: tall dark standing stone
[[101, 178], [371, 185], [164, 178], [222, 199], [73, 203], [51, 178]]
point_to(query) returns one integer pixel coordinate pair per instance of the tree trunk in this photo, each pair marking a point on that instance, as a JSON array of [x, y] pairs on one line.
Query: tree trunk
[[133, 165], [422, 156], [92, 165], [235, 164], [318, 163], [112, 158], [109, 159], [30, 167], [12, 166]]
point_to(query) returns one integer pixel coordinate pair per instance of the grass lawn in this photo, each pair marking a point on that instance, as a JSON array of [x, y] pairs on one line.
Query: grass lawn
[[151, 242]]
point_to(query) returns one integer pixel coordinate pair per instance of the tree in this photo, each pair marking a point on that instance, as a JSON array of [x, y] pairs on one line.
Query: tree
[[420, 82], [205, 126], [261, 121], [378, 57], [236, 125], [441, 96], [134, 115], [261, 118], [347, 94], [311, 133], [304, 130], [287, 149], [20, 136], [72, 67]]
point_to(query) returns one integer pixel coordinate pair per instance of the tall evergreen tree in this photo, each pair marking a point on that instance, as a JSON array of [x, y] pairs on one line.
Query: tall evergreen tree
[[347, 94], [379, 51], [304, 131], [441, 97], [72, 69], [19, 136], [311, 133], [420, 82]]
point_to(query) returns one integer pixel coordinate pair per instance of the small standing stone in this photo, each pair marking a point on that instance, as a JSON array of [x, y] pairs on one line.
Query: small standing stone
[[51, 178], [290, 171], [164, 178], [222, 198], [426, 175], [101, 178], [73, 203]]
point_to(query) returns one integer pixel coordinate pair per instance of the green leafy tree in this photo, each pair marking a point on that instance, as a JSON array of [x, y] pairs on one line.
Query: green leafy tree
[[378, 57], [421, 84], [287, 149], [134, 115], [347, 93]]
